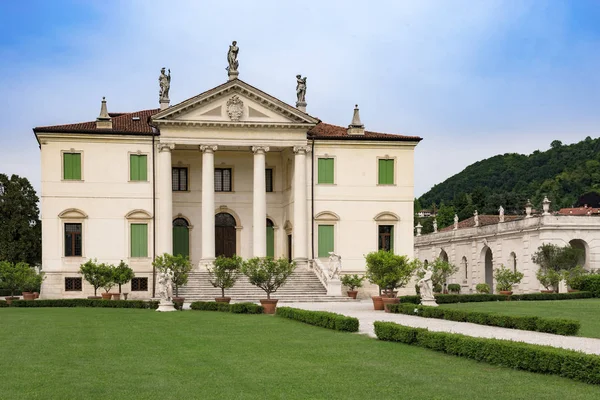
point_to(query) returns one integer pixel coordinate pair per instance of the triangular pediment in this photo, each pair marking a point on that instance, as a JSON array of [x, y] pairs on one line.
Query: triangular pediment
[[235, 102]]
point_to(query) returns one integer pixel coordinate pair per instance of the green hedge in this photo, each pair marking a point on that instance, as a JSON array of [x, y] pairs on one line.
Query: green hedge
[[3, 304], [517, 355], [323, 319], [237, 308], [477, 298], [558, 326], [86, 303], [590, 283]]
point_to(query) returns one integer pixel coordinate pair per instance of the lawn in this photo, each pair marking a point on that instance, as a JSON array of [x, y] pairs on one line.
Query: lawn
[[586, 311], [140, 354]]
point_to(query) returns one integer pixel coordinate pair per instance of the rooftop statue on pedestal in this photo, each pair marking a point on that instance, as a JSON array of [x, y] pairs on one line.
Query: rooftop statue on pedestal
[[476, 218], [164, 81], [455, 221], [232, 68], [434, 226], [501, 214], [301, 88]]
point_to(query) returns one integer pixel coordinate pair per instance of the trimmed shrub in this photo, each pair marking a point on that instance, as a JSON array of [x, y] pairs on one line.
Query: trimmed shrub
[[477, 298], [557, 326], [516, 355], [87, 303], [209, 306], [246, 308], [3, 304], [323, 319], [454, 288], [236, 308], [590, 283]]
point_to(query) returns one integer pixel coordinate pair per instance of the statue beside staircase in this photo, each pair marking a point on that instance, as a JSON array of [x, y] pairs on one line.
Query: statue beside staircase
[[334, 285]]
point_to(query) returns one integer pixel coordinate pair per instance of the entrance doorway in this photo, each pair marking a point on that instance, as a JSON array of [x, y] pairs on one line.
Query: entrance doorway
[[489, 269], [225, 233]]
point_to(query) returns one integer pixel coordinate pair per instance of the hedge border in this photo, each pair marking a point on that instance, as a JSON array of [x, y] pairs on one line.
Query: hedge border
[[323, 319], [236, 308], [505, 353], [476, 298], [94, 303], [558, 326]]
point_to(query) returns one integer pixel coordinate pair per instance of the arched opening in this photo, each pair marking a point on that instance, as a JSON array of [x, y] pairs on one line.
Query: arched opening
[[512, 261], [443, 255], [465, 267], [489, 268], [270, 238], [225, 241], [181, 237], [582, 246]]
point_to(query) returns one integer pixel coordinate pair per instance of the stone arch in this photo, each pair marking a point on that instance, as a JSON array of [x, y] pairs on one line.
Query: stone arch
[[443, 255], [227, 210], [73, 213], [487, 259], [387, 216], [582, 245], [512, 261], [138, 214], [327, 216], [464, 265]]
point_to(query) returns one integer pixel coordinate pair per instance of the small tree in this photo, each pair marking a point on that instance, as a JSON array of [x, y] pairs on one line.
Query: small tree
[[507, 278], [554, 261], [442, 270], [268, 273], [225, 272], [574, 276], [179, 264], [93, 274], [389, 271], [352, 281], [122, 274], [34, 281], [15, 276], [482, 288], [107, 271]]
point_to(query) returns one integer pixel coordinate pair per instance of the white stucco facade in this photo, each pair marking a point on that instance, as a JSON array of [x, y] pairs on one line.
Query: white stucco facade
[[201, 136]]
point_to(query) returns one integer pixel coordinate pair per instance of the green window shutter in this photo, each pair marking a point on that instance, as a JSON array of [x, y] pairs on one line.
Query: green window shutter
[[270, 241], [325, 240], [143, 168], [382, 172], [133, 167], [72, 166], [139, 240], [390, 172], [386, 172], [181, 241], [325, 170]]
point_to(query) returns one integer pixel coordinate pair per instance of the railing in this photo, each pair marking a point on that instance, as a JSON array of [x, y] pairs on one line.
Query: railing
[[321, 271], [329, 276]]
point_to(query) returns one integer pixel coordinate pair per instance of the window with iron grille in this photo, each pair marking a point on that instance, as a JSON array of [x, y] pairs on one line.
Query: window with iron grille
[[222, 179], [269, 179], [139, 285], [73, 285], [180, 179], [73, 240]]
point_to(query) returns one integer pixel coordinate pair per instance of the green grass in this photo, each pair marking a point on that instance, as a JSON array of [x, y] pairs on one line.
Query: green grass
[[140, 354], [586, 311]]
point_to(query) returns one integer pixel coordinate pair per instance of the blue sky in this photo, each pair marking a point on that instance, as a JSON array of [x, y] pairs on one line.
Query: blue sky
[[474, 79]]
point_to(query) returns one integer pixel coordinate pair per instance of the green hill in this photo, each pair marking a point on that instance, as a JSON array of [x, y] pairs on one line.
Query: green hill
[[563, 173]]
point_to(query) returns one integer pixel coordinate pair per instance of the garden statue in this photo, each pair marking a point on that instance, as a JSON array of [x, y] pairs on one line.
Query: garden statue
[[335, 265], [426, 290], [164, 81], [165, 290]]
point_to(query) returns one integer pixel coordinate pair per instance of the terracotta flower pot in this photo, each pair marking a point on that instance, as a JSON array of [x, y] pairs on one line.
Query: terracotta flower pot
[[10, 299], [377, 302], [125, 296], [389, 300], [36, 294], [178, 302], [223, 299], [547, 291], [28, 296], [352, 293], [106, 296], [572, 290], [24, 293], [116, 296], [94, 297], [506, 292], [269, 305]]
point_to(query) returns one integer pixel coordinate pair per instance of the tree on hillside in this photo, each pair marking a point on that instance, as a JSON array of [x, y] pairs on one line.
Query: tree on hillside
[[20, 226], [445, 216]]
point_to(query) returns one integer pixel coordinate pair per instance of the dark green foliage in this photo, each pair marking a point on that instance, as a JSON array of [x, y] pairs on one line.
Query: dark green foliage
[[3, 304], [589, 283], [268, 273], [323, 319], [86, 303], [236, 308], [454, 288], [557, 326], [516, 355], [21, 229], [562, 173], [477, 298]]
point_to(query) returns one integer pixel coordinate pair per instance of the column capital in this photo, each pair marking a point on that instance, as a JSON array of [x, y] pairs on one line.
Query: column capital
[[260, 149], [301, 149], [165, 147], [208, 148]]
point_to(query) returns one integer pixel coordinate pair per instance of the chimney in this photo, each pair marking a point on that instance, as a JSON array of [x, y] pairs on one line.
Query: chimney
[[103, 121], [356, 127]]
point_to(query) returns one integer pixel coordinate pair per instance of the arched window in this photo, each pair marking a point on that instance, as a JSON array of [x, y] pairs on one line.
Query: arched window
[[464, 264], [512, 261], [181, 237], [225, 235], [270, 238]]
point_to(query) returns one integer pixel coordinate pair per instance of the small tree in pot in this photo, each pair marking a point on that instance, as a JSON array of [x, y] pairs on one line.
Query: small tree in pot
[[224, 274], [121, 275], [180, 266], [107, 271], [352, 282], [93, 275], [14, 276], [269, 274], [506, 279], [32, 284]]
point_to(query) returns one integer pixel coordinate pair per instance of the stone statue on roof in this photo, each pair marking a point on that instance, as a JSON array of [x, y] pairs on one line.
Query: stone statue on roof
[[501, 214], [301, 88], [476, 218], [455, 221], [434, 226], [164, 81], [232, 57]]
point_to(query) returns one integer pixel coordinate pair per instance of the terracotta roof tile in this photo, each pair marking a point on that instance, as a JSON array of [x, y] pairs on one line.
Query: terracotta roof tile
[[483, 221], [333, 132], [579, 211]]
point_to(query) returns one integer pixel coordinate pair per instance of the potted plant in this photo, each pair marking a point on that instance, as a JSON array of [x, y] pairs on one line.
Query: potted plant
[[269, 274], [224, 274], [14, 276], [454, 288], [32, 282], [122, 274], [108, 279], [93, 275], [352, 282], [506, 279], [554, 261], [389, 271], [180, 266], [482, 288]]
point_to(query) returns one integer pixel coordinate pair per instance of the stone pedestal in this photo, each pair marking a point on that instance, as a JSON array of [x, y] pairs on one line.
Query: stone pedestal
[[429, 303], [334, 288], [164, 104], [232, 75], [562, 287], [301, 105], [166, 306]]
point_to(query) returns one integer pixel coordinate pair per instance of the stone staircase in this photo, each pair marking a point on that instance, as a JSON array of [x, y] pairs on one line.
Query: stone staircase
[[301, 286]]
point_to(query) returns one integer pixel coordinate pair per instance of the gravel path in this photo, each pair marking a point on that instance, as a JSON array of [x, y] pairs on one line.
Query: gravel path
[[363, 310]]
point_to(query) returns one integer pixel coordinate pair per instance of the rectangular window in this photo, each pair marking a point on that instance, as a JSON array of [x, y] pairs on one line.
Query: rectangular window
[[386, 237], [139, 240], [139, 285], [138, 167], [269, 179], [325, 240], [73, 285], [325, 170], [222, 179], [180, 179], [386, 172], [73, 240], [72, 166]]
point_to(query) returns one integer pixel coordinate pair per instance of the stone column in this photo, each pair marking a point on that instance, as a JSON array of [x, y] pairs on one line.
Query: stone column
[[208, 203], [259, 203], [165, 203], [300, 233]]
